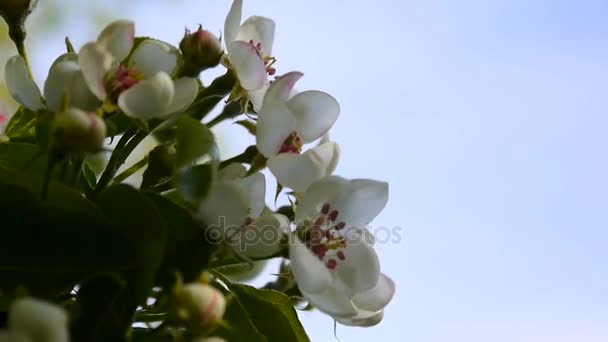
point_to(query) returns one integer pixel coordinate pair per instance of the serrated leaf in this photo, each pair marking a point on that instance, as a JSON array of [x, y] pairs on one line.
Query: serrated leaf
[[194, 140]]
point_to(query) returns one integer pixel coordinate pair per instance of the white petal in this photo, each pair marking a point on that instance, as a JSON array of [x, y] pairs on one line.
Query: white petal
[[232, 171], [257, 96], [233, 22], [332, 302], [60, 76], [310, 273], [360, 202], [315, 113], [378, 297], [259, 30], [253, 188], [95, 61], [40, 320], [360, 270], [186, 89], [224, 210], [22, 88], [363, 319], [149, 98], [275, 124], [80, 94], [317, 194], [118, 38], [248, 65], [281, 88], [152, 56], [263, 237], [298, 172]]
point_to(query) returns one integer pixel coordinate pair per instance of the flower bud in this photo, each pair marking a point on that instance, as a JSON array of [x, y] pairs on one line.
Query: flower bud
[[197, 306], [14, 13], [201, 50], [75, 130]]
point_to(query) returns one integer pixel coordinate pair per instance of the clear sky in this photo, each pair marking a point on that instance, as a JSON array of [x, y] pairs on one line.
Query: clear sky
[[489, 120]]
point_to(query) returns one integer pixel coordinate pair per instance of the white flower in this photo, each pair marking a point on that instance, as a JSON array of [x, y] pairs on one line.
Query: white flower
[[143, 88], [286, 122], [64, 76], [249, 49], [233, 210], [33, 320], [332, 254]]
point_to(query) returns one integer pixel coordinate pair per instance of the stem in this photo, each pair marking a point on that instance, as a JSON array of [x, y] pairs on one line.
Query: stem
[[122, 150], [131, 170]]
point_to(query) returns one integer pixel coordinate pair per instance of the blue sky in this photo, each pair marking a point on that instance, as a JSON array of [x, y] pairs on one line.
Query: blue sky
[[489, 120]]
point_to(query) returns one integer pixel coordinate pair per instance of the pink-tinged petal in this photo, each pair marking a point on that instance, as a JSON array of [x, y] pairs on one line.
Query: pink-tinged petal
[[118, 38], [362, 319], [248, 65], [259, 30], [40, 320], [361, 201], [233, 22], [318, 194], [310, 273], [21, 87], [315, 113], [152, 56], [95, 61], [263, 237], [253, 190], [224, 210], [149, 98], [298, 172], [331, 301], [376, 298], [360, 269], [275, 124], [186, 89], [281, 88]]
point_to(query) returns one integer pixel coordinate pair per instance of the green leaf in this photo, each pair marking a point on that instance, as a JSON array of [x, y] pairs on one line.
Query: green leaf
[[271, 313], [21, 123], [160, 167], [248, 125], [194, 140], [194, 183]]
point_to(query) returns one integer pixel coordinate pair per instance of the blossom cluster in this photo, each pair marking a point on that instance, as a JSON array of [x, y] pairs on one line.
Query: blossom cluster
[[330, 249]]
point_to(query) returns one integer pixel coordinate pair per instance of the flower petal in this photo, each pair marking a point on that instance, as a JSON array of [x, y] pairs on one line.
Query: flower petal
[[81, 96], [95, 61], [376, 298], [263, 237], [281, 89], [298, 172], [275, 124], [248, 65], [253, 190], [259, 30], [363, 319], [360, 270], [310, 273], [256, 97], [186, 89], [331, 301], [233, 22], [65, 76], [315, 113], [149, 98], [152, 56], [361, 201], [224, 209], [319, 193], [117, 38], [232, 171], [39, 320], [19, 83]]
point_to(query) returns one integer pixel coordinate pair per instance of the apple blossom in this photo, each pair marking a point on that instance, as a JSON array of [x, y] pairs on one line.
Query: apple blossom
[[249, 50], [34, 320], [143, 88], [234, 206], [286, 122], [332, 259]]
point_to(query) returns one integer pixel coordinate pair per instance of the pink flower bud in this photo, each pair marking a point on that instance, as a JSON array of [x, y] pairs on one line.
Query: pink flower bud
[[201, 50], [75, 130], [197, 306]]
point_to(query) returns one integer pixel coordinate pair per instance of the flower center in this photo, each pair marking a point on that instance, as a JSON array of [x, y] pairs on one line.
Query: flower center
[[122, 79], [323, 237], [268, 60], [293, 144]]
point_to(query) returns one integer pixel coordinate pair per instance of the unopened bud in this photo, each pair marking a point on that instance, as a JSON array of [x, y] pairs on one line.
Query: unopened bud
[[197, 306], [14, 13], [201, 50], [75, 130]]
